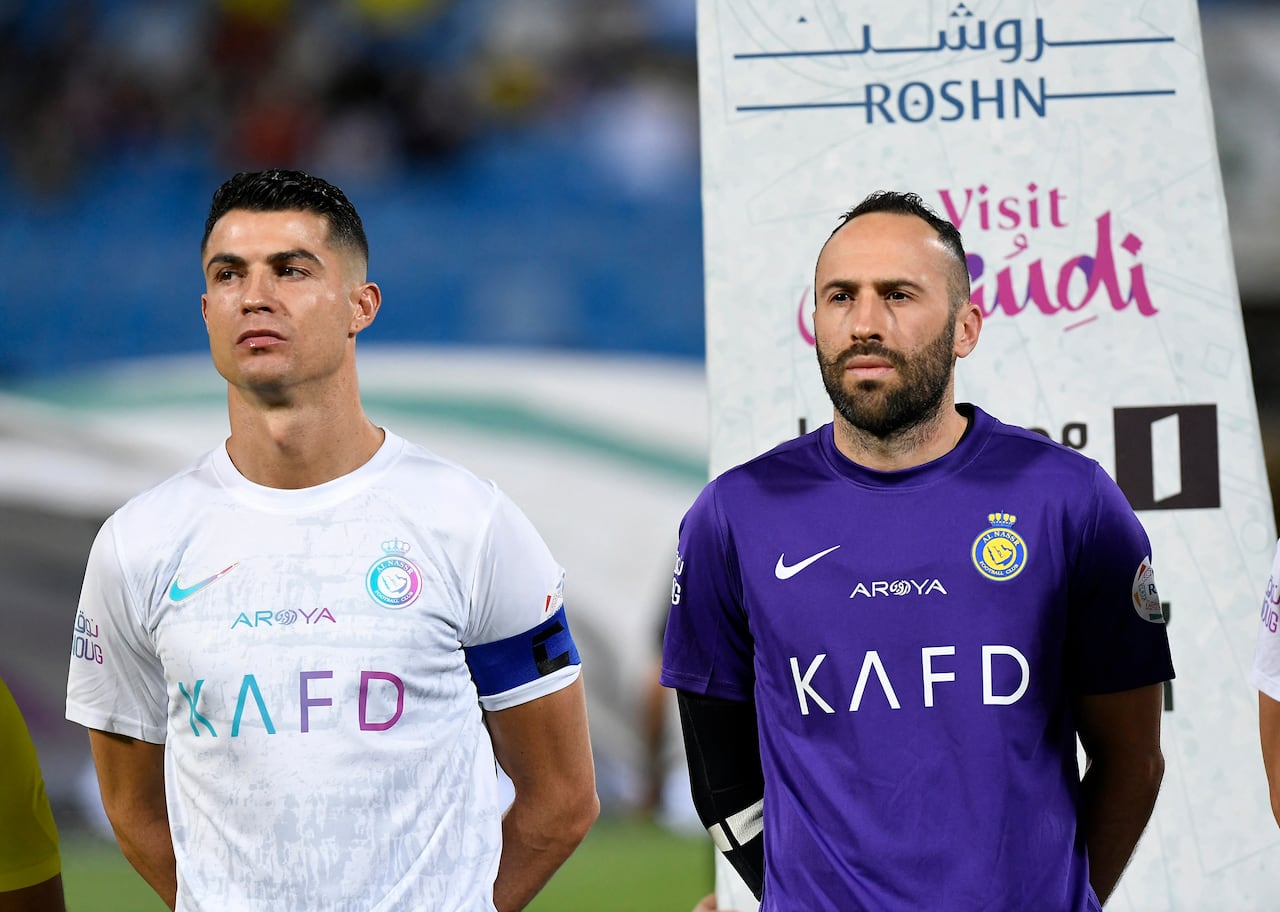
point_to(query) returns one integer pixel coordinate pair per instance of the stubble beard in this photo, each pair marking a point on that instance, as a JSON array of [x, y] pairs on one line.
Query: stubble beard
[[896, 409]]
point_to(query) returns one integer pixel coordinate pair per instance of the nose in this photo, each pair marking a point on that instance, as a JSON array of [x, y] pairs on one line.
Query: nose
[[866, 318], [258, 292]]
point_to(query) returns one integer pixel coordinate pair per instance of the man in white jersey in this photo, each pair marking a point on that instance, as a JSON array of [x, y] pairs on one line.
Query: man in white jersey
[[299, 658], [1266, 677]]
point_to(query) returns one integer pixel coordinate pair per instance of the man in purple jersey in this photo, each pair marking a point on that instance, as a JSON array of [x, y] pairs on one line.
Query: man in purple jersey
[[887, 634]]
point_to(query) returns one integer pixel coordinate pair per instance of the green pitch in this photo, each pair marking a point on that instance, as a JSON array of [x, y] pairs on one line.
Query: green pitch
[[623, 866]]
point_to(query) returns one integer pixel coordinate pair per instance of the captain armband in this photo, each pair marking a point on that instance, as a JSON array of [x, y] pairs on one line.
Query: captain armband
[[521, 659]]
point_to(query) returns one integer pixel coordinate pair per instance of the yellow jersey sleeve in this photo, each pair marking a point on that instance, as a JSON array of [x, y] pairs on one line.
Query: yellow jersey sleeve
[[28, 840]]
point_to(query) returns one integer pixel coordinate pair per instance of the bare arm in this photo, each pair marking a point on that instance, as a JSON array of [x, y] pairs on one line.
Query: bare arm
[[131, 776], [45, 896], [1269, 731], [544, 747], [1121, 737]]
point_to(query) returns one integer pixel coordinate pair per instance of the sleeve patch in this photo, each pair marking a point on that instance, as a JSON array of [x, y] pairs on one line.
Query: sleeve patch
[[535, 653], [1146, 600]]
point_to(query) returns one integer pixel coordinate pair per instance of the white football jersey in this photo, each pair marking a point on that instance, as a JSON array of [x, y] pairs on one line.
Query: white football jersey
[[1266, 660], [315, 662]]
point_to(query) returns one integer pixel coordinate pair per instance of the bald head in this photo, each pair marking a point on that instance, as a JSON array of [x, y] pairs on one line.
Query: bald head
[[911, 205]]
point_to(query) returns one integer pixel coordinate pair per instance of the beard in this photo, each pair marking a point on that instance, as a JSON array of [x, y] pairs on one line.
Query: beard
[[886, 409]]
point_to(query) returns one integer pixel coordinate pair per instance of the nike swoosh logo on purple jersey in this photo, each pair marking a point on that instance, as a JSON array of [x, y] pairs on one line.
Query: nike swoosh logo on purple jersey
[[782, 571], [178, 592]]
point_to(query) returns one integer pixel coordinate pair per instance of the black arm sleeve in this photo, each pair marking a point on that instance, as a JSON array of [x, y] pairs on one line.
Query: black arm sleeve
[[723, 749]]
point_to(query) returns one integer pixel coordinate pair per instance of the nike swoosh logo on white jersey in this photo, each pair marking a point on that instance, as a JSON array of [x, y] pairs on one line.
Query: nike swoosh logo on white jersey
[[178, 592], [782, 571]]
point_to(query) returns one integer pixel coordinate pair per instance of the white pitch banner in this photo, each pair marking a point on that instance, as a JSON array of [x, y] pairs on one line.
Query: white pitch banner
[[1072, 144]]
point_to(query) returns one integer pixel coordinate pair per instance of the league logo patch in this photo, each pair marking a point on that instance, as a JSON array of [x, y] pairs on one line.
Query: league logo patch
[[1000, 553], [1146, 601], [394, 581], [555, 598]]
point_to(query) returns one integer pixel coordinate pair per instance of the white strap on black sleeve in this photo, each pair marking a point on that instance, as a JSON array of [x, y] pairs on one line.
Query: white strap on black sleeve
[[726, 779]]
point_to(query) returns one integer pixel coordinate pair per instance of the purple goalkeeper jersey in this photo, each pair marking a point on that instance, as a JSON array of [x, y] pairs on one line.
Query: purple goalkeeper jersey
[[912, 642]]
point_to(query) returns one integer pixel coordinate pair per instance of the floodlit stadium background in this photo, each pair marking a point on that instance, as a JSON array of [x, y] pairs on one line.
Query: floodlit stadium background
[[528, 175]]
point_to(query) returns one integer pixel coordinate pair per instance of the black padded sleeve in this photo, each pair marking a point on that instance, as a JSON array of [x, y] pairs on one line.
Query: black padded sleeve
[[723, 749]]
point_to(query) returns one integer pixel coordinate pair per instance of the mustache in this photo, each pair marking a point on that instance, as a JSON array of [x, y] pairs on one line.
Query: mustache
[[871, 349]]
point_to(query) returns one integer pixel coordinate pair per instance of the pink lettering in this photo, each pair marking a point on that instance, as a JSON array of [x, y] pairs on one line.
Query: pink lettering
[[1079, 280], [805, 332], [365, 678], [1098, 271], [1011, 212], [954, 215]]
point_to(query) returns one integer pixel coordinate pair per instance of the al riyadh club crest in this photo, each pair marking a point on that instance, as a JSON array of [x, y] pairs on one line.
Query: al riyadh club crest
[[999, 553], [394, 581]]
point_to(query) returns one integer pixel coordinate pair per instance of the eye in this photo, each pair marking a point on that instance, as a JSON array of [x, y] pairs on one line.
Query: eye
[[224, 275]]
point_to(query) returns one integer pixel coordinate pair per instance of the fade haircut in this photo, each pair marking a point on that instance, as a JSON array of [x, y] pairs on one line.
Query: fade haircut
[[278, 190], [896, 203]]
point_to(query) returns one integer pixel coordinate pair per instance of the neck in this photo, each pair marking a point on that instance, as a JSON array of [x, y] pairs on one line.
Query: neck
[[299, 446], [924, 442]]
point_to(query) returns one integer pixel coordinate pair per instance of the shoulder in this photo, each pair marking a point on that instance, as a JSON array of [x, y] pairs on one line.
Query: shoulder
[[457, 503], [799, 457], [159, 508], [1017, 448], [741, 493], [776, 469], [1075, 486], [445, 481]]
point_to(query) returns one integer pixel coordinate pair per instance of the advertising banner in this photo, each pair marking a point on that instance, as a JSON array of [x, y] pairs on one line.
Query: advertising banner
[[1072, 144]]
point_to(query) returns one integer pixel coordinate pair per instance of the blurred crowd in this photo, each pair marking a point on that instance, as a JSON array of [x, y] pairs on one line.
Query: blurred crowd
[[347, 88]]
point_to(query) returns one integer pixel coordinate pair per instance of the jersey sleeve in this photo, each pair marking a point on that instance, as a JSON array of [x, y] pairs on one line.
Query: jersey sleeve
[[115, 682], [517, 640], [708, 647], [1117, 639], [28, 839], [1266, 659]]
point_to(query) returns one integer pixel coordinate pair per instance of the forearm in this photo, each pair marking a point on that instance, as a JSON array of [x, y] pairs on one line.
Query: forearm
[[545, 749], [726, 779], [1269, 732], [1116, 801], [148, 845], [131, 777], [536, 840]]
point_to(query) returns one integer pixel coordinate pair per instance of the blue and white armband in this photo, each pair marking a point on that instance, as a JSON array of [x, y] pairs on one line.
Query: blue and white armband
[[531, 664]]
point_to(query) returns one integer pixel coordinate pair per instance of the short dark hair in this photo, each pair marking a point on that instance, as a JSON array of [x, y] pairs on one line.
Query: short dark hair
[[278, 190], [896, 203]]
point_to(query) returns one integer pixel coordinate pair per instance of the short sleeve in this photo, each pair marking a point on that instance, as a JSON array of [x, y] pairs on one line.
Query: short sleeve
[[1117, 638], [707, 648], [116, 681], [517, 638], [1266, 660], [28, 839]]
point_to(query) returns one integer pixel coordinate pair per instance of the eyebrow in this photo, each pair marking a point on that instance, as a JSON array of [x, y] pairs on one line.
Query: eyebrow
[[880, 285], [275, 259]]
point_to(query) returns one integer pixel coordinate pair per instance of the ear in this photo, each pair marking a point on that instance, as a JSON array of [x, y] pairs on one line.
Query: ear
[[968, 328], [366, 298], [204, 311]]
